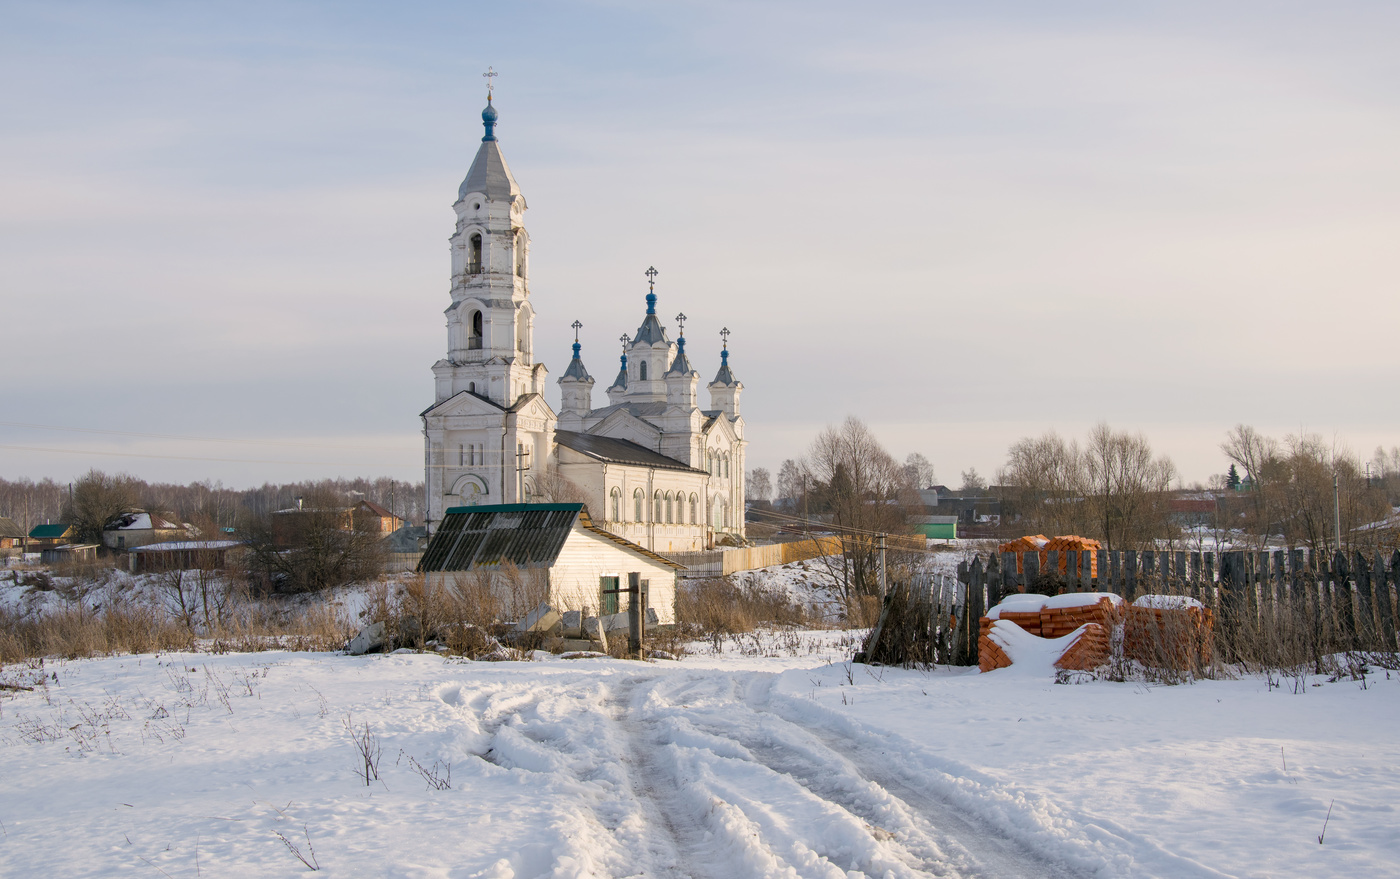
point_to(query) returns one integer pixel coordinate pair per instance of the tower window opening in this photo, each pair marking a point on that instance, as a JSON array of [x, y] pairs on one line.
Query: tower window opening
[[474, 255], [642, 370], [472, 387], [520, 254], [474, 339]]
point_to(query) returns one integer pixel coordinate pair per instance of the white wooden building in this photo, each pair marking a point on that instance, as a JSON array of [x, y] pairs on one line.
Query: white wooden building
[[558, 542]]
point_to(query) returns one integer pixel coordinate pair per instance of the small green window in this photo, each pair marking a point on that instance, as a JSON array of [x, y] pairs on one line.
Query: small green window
[[609, 602]]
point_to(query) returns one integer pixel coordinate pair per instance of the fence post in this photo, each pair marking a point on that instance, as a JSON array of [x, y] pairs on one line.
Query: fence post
[[1130, 566], [1052, 566], [1365, 620], [1008, 573], [1346, 610], [1031, 560], [1086, 570], [1115, 573], [1102, 583], [1072, 570], [1232, 583], [993, 580], [1387, 604]]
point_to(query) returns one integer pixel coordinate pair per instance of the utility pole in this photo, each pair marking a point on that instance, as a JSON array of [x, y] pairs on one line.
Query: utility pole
[[1337, 511], [884, 585]]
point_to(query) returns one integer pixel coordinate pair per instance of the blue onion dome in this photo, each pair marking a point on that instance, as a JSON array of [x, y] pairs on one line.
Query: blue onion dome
[[488, 119]]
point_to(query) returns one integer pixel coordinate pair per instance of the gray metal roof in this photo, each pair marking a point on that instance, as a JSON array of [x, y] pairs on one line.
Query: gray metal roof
[[638, 410], [651, 332], [576, 371], [489, 175], [724, 376], [617, 451], [681, 365], [621, 380], [8, 528]]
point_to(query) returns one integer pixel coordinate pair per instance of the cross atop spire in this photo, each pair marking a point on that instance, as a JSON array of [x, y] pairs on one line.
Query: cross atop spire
[[680, 320], [725, 333], [577, 326], [651, 289], [624, 339], [490, 74]]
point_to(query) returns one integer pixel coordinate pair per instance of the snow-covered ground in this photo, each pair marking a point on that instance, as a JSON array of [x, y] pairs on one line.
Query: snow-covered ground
[[772, 757]]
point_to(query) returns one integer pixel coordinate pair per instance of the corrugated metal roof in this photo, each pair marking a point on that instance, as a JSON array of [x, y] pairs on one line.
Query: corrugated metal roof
[[524, 535], [48, 532], [617, 451]]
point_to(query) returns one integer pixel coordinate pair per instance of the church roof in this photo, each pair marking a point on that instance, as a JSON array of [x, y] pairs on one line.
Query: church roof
[[681, 365], [489, 175], [576, 370], [621, 380], [617, 451], [724, 376], [651, 332], [640, 410]]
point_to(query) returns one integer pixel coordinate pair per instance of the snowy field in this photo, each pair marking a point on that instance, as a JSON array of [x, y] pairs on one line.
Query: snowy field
[[771, 758]]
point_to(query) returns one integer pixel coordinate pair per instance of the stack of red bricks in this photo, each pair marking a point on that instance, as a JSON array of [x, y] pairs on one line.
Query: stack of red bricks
[[1176, 636], [1100, 614]]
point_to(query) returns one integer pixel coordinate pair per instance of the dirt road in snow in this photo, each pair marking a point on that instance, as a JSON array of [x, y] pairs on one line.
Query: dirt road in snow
[[706, 774]]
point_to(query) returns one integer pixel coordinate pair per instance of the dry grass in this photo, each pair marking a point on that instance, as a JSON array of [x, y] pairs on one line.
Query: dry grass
[[708, 607]]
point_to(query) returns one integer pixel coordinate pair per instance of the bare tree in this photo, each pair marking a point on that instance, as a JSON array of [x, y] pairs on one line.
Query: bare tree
[[1042, 484], [791, 484], [863, 489], [972, 483], [96, 499], [918, 471], [314, 547], [1128, 488], [556, 488], [759, 485]]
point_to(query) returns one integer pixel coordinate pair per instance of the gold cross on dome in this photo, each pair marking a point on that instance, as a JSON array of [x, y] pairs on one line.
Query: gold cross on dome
[[725, 333], [577, 326], [490, 74], [681, 319], [651, 276], [624, 339]]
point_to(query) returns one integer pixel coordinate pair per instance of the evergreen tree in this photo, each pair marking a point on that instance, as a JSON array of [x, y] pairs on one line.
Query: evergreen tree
[[1232, 479]]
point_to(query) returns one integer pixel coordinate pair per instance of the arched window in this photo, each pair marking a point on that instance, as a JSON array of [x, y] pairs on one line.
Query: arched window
[[656, 508], [642, 370], [694, 502], [474, 255], [520, 254], [670, 509], [472, 387], [637, 499], [726, 466], [617, 504], [474, 338], [716, 514]]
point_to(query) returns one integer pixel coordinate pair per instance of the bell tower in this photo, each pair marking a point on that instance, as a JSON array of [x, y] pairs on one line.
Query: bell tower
[[490, 323]]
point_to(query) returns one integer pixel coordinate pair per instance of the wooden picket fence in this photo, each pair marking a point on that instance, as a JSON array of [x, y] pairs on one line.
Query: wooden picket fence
[[1272, 608]]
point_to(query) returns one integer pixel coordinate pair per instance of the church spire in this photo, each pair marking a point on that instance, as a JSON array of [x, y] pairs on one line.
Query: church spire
[[724, 390]]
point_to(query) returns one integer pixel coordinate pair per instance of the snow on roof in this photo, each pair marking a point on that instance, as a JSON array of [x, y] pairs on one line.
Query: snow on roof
[[184, 545]]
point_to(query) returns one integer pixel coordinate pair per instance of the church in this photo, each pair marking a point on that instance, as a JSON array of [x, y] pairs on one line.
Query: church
[[651, 465]]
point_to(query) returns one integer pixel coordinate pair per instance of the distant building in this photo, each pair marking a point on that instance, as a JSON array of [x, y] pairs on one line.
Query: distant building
[[369, 516], [138, 528], [49, 535], [572, 560], [183, 555], [11, 535]]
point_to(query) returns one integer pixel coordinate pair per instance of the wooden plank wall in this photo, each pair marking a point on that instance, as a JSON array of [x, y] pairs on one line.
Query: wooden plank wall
[[1337, 603]]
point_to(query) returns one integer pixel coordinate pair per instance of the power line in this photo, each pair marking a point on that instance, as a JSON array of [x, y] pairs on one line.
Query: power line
[[198, 439]]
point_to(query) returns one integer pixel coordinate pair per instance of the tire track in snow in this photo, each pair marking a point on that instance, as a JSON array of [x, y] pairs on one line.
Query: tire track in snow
[[678, 844]]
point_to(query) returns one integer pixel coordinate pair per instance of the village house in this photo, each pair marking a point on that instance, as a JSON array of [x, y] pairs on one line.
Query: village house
[[46, 536], [570, 561], [138, 528]]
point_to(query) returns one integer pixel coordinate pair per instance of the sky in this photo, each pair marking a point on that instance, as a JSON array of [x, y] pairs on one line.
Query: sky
[[223, 236]]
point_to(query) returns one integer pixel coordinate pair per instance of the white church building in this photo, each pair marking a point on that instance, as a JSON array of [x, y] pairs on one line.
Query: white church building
[[652, 466]]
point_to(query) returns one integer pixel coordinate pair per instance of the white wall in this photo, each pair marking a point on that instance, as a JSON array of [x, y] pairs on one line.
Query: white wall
[[588, 557]]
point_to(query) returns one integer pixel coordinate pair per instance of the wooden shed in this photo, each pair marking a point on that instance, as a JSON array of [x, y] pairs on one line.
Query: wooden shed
[[573, 559]]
